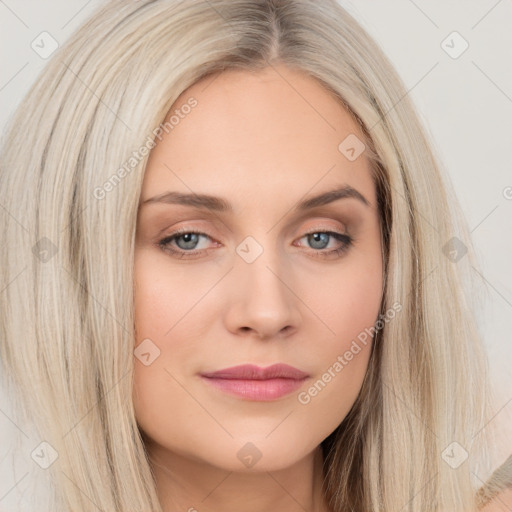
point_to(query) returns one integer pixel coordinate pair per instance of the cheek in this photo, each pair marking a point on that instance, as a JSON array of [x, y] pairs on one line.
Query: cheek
[[348, 306], [353, 302], [345, 299], [161, 296], [163, 301]]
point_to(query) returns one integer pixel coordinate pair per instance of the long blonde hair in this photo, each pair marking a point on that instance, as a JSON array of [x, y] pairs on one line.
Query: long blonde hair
[[66, 324]]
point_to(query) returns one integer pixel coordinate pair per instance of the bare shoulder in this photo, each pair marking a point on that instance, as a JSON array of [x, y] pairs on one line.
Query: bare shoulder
[[501, 503], [496, 494]]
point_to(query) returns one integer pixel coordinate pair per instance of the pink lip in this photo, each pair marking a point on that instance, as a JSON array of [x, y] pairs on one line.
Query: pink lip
[[252, 382]]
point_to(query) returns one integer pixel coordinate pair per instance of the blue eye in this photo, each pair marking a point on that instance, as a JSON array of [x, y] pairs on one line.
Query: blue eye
[[183, 244], [186, 241], [190, 240], [320, 240]]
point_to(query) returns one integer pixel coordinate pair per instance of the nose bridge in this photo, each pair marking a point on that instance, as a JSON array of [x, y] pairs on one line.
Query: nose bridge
[[259, 265], [263, 300]]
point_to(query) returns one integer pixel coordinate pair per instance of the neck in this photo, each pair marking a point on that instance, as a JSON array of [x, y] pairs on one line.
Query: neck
[[185, 484]]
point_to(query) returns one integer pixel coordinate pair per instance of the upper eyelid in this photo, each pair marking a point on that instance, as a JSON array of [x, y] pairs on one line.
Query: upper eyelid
[[331, 211], [201, 231], [294, 226]]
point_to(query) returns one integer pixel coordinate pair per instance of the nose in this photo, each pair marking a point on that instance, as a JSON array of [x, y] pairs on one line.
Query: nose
[[262, 301]]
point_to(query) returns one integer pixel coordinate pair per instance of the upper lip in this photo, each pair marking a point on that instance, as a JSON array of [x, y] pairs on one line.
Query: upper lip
[[253, 372]]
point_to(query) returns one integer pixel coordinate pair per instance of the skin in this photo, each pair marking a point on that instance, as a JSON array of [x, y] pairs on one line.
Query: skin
[[262, 141], [501, 503]]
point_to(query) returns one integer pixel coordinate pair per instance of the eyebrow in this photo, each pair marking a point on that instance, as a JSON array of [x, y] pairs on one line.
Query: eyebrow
[[221, 205]]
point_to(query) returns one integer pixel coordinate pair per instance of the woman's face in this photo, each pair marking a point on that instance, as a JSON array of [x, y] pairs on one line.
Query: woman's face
[[247, 280]]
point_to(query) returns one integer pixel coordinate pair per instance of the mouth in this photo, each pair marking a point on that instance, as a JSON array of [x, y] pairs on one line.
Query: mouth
[[251, 382]]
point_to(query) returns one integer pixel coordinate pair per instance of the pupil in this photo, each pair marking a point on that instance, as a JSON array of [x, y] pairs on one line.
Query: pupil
[[189, 239], [321, 238]]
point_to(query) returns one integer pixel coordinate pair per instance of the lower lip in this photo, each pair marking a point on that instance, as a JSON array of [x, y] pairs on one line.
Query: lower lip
[[263, 390]]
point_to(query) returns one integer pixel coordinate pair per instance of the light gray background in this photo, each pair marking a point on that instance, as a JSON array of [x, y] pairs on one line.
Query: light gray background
[[466, 105]]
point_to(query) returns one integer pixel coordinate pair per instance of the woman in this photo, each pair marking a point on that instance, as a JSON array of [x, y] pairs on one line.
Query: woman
[[210, 185]]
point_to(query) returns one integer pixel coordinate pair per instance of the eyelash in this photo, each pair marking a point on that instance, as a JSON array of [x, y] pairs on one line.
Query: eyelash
[[346, 241]]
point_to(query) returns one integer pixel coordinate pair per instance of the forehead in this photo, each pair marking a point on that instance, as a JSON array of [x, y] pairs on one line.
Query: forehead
[[267, 133]]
